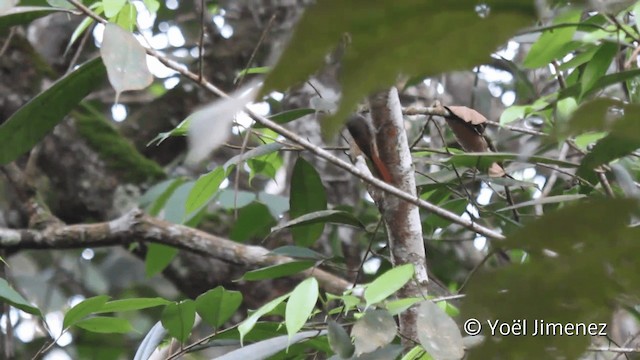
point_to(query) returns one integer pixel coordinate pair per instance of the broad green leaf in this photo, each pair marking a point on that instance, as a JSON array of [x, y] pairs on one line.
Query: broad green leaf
[[417, 353], [174, 208], [307, 195], [374, 330], [300, 305], [278, 271], [126, 18], [457, 206], [125, 59], [27, 126], [339, 340], [216, 306], [552, 44], [162, 194], [564, 108], [438, 333], [323, 217], [87, 307], [287, 116], [205, 189], [582, 237], [254, 221], [598, 66], [231, 199], [250, 322], [132, 304], [158, 257], [298, 252], [602, 83], [152, 5], [24, 14], [13, 298], [590, 116], [388, 283], [80, 29], [105, 325], [380, 24], [178, 319], [112, 7], [396, 307], [512, 113], [623, 139]]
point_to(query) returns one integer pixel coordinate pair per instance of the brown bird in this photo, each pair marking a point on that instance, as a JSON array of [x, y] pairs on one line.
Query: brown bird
[[362, 133]]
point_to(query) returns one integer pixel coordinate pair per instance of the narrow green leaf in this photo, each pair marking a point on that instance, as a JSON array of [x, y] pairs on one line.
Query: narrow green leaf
[[300, 305], [322, 217], [298, 252], [205, 189], [307, 195], [388, 283], [250, 322], [34, 120], [252, 70], [598, 66], [396, 307], [253, 153], [80, 29], [105, 325], [25, 14], [132, 304], [287, 116], [545, 200], [216, 306], [158, 257], [178, 319], [13, 298], [87, 307], [484, 160], [278, 271]]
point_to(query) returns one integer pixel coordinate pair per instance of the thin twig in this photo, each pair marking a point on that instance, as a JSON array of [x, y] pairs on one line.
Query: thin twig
[[5, 46]]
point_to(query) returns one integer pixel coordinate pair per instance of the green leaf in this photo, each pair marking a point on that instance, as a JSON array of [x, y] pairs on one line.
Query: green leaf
[[438, 333], [457, 206], [512, 113], [278, 271], [545, 200], [20, 15], [552, 44], [105, 325], [396, 307], [392, 25], [339, 340], [132, 304], [126, 18], [598, 66], [152, 5], [231, 199], [300, 305], [250, 322], [287, 116], [87, 307], [27, 126], [252, 70], [125, 59], [205, 189], [216, 306], [253, 153], [178, 319], [158, 257], [254, 221], [157, 196], [84, 24], [590, 116], [112, 7], [602, 83], [484, 160], [174, 208], [13, 298], [592, 267], [388, 283], [298, 252], [323, 217], [307, 195]]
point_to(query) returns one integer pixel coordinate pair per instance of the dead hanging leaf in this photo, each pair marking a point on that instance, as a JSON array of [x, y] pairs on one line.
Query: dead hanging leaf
[[468, 127], [438, 333], [125, 59], [210, 126], [374, 330]]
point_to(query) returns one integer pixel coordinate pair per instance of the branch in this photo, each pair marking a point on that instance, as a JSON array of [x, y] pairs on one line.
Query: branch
[[137, 226], [402, 219]]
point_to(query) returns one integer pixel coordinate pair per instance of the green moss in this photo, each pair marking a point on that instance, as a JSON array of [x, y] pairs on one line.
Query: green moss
[[118, 153]]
